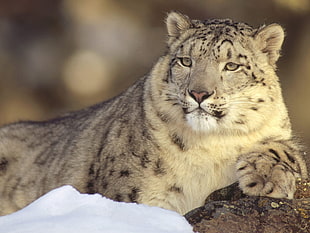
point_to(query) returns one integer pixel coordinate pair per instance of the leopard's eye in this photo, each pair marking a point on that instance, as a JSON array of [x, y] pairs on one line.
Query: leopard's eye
[[230, 66], [185, 61]]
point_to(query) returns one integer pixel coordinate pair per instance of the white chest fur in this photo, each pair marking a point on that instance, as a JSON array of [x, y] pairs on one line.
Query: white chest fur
[[199, 172], [192, 174]]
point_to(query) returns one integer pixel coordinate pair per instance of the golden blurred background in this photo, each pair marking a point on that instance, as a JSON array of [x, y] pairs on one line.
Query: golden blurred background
[[63, 55]]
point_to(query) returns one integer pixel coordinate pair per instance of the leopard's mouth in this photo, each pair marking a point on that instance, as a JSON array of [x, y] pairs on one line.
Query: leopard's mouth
[[214, 113]]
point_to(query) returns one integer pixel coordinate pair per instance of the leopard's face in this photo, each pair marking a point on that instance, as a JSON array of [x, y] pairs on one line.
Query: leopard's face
[[220, 79]]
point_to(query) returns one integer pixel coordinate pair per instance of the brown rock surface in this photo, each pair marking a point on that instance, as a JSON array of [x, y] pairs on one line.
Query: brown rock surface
[[228, 210]]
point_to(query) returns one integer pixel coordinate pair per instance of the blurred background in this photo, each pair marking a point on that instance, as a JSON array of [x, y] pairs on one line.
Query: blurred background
[[62, 55]]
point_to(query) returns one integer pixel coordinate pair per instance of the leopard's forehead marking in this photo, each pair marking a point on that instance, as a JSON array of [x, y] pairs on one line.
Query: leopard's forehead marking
[[227, 27], [209, 32]]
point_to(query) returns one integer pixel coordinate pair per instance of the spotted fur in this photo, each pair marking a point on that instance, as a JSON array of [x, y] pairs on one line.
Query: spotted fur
[[209, 113]]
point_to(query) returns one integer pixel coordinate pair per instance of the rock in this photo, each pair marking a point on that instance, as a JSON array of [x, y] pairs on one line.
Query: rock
[[228, 210], [302, 189], [229, 193]]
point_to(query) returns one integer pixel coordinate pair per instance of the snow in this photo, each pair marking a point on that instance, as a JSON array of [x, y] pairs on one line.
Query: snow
[[65, 210]]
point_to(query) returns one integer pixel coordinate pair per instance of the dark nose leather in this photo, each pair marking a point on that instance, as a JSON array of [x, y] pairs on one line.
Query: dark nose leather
[[200, 96]]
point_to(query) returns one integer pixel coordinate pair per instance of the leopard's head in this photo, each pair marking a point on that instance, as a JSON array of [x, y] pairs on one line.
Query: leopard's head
[[221, 74]]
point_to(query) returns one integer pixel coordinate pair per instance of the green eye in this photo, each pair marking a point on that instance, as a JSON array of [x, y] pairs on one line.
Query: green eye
[[230, 66], [185, 61]]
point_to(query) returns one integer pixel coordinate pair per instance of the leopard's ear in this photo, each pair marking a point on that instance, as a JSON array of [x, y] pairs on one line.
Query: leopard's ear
[[270, 39], [177, 23]]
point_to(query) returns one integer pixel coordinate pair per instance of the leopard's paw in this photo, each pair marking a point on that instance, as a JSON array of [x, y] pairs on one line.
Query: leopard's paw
[[260, 175]]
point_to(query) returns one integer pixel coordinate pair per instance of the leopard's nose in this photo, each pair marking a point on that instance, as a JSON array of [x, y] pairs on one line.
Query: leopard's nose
[[199, 96]]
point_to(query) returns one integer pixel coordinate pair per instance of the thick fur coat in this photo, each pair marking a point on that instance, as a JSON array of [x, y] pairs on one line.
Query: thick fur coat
[[209, 113]]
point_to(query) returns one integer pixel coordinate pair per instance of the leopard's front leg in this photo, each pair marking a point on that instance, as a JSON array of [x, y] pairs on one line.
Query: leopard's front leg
[[271, 169]]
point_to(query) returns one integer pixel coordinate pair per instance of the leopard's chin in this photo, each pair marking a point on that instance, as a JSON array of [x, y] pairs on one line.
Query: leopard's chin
[[201, 121]]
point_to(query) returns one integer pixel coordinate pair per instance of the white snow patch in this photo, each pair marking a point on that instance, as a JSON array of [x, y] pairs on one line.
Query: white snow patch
[[65, 210]]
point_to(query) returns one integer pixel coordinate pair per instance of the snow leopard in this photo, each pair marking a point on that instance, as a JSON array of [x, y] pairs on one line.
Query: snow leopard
[[208, 114]]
